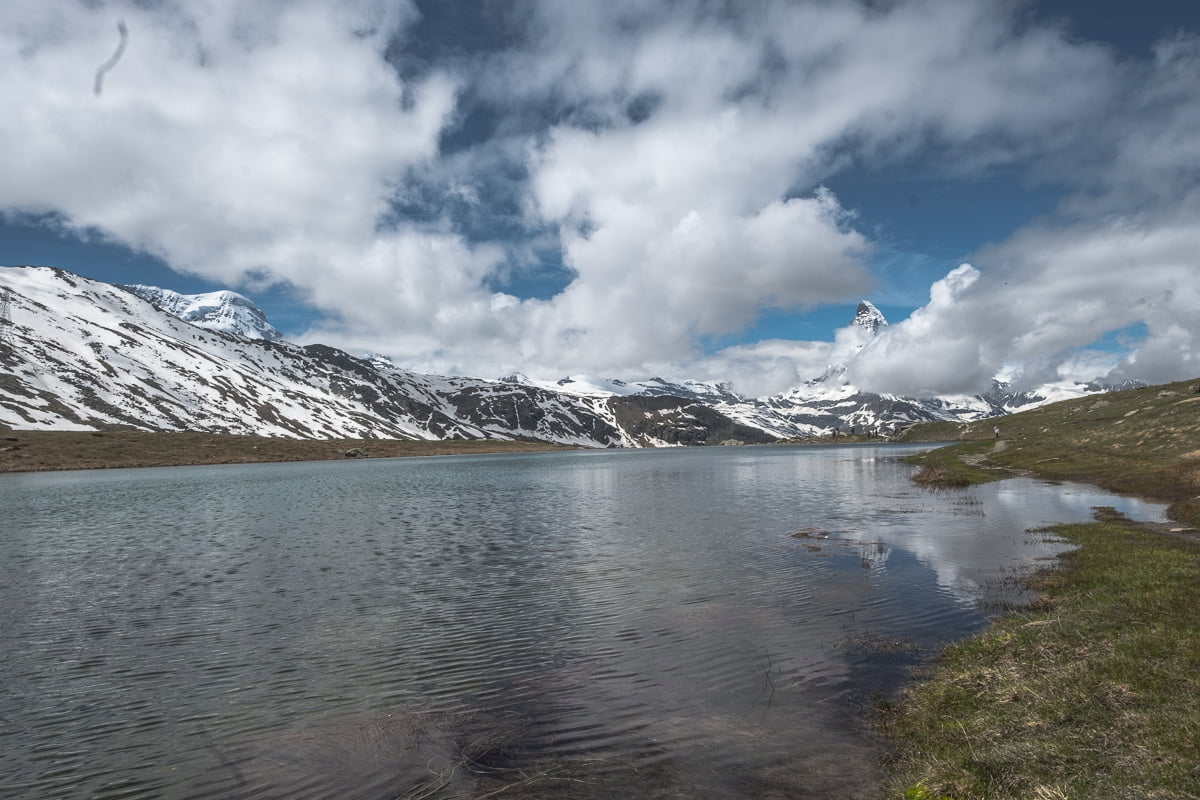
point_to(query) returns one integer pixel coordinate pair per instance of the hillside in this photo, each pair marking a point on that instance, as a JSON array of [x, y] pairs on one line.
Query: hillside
[[1137, 441], [1077, 695]]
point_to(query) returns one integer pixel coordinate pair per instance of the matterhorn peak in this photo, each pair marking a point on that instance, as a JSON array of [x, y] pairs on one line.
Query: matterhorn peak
[[869, 317]]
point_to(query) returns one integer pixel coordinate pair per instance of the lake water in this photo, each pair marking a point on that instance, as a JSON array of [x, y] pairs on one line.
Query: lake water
[[664, 623]]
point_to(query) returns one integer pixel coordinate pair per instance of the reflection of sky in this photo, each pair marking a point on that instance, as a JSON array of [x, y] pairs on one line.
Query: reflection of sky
[[649, 504], [1053, 501], [627, 596], [976, 535]]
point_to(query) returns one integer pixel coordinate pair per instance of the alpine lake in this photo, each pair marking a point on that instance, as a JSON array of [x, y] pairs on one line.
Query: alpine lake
[[674, 623]]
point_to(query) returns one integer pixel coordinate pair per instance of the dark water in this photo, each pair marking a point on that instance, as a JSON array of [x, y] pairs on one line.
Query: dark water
[[585, 624]]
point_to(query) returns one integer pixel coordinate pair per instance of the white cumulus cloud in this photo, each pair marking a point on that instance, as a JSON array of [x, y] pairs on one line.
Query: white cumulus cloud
[[670, 158]]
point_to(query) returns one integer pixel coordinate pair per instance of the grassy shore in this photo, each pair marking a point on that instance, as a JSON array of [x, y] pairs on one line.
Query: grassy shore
[[36, 451], [1141, 442], [1094, 690]]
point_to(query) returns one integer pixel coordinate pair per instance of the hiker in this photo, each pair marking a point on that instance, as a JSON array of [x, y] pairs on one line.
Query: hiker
[[997, 431]]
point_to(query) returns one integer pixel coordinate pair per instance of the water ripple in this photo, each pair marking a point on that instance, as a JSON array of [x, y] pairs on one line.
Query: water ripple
[[662, 624]]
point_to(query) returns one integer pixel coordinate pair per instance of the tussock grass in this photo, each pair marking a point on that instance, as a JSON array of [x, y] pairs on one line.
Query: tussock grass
[[954, 467], [1090, 693]]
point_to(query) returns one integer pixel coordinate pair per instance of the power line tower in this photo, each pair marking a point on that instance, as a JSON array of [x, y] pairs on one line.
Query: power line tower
[[5, 318]]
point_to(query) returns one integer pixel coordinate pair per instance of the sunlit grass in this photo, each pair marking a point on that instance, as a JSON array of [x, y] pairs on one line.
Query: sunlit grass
[[1091, 693]]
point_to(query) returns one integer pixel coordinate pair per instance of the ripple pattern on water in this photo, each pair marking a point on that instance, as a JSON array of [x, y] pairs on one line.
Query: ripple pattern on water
[[695, 623]]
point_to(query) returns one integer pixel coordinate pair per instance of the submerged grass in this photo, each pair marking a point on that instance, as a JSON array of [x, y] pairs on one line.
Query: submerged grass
[[1090, 693]]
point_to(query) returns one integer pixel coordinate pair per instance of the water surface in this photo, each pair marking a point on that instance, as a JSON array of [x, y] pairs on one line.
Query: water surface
[[667, 623]]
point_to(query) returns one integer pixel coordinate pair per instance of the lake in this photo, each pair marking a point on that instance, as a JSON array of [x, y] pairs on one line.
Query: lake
[[677, 623]]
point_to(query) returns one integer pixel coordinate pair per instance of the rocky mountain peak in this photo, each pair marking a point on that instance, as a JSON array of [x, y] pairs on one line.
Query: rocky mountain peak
[[83, 355], [869, 317]]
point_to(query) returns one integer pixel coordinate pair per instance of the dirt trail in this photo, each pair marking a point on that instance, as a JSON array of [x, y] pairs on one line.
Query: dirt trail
[[980, 459]]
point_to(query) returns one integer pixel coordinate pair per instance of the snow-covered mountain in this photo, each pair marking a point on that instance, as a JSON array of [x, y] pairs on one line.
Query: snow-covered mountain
[[80, 354], [219, 311], [83, 355], [869, 317]]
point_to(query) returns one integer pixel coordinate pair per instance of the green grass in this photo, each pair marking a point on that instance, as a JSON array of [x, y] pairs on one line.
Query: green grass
[[1142, 441], [1092, 693], [955, 467]]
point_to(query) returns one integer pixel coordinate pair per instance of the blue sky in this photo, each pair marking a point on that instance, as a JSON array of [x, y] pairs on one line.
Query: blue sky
[[690, 189]]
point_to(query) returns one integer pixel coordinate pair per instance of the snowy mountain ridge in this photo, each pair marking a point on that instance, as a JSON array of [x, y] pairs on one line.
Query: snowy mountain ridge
[[224, 310], [85, 355]]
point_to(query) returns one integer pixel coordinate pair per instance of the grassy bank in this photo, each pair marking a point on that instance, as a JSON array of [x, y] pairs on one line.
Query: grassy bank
[[1092, 692], [35, 451], [1142, 442]]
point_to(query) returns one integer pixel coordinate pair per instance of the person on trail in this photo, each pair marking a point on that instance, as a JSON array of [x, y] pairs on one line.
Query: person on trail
[[997, 431]]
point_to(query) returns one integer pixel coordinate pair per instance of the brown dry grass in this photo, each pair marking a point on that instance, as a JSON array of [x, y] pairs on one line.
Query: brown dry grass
[[36, 451]]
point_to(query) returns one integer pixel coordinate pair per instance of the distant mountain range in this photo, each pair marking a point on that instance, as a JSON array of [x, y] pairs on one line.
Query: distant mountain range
[[79, 354]]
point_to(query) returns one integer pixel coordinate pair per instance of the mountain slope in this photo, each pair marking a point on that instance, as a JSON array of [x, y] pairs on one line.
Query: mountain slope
[[81, 354], [78, 354]]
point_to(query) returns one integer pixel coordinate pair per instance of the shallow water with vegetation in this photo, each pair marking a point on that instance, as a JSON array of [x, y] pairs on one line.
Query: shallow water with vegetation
[[671, 623]]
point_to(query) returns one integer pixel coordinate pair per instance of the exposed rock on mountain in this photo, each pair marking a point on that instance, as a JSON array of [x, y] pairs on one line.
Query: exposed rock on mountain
[[657, 420], [869, 317], [80, 354], [84, 355]]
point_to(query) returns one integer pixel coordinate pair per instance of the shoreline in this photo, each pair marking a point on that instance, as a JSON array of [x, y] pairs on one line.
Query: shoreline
[[58, 451], [1077, 694], [54, 451]]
